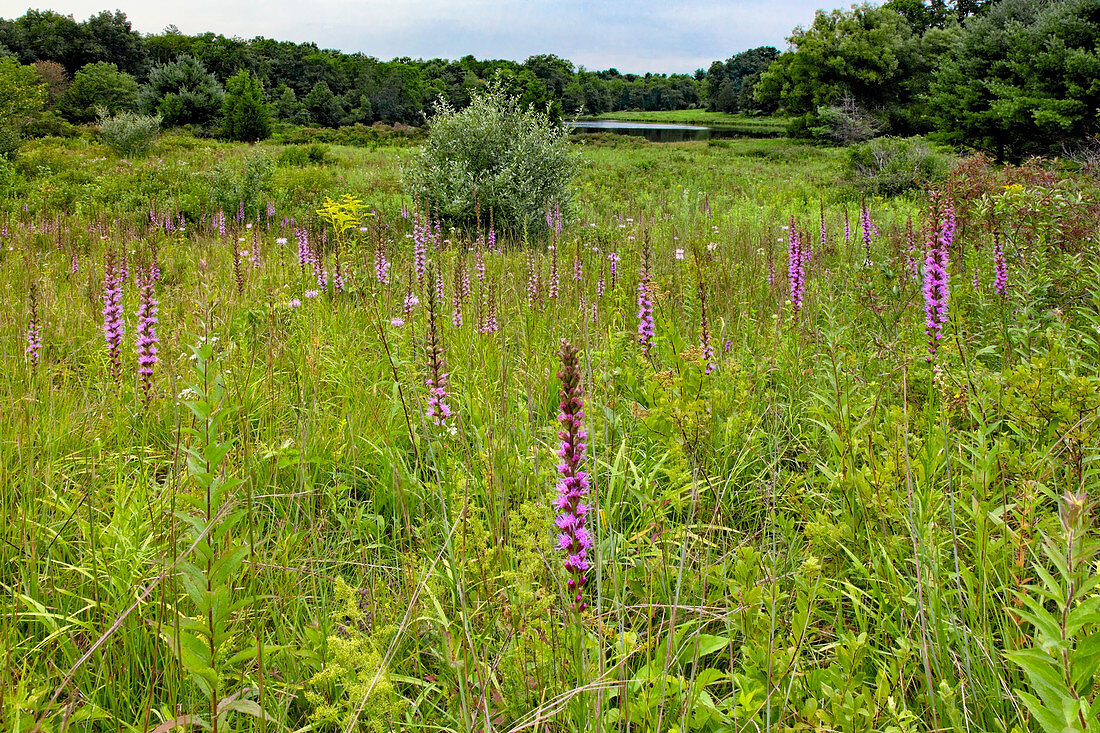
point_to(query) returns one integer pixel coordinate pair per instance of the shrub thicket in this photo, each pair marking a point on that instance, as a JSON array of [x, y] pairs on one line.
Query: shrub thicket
[[493, 155], [96, 86], [22, 96]]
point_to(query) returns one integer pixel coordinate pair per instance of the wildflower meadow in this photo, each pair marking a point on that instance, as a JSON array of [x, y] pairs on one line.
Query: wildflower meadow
[[723, 445]]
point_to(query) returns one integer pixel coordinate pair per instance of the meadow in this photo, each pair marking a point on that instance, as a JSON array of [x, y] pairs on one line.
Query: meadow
[[280, 452]]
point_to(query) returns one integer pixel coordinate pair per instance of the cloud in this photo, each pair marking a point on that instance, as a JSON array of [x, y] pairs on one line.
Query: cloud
[[670, 36]]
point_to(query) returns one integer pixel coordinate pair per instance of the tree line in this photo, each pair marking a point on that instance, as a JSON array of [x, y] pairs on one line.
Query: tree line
[[1013, 77], [103, 62]]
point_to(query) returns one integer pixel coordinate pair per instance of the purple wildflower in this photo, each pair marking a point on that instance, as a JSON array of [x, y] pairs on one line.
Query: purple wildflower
[[554, 278], [381, 265], [937, 280], [113, 328], [796, 267], [304, 255], [574, 539], [646, 328], [422, 232], [865, 225], [147, 340], [34, 330], [438, 409], [1000, 265], [708, 348]]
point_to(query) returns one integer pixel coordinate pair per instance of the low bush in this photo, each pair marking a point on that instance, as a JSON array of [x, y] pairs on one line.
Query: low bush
[[129, 134], [302, 155], [891, 165], [494, 155]]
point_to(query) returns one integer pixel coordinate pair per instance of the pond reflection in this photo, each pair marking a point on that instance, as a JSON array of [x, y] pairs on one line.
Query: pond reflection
[[663, 132]]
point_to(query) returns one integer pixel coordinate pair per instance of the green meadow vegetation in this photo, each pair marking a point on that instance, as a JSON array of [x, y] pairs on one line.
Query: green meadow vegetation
[[320, 414], [797, 521]]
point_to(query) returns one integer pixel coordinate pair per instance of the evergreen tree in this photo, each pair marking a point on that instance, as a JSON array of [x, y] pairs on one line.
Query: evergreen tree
[[246, 117]]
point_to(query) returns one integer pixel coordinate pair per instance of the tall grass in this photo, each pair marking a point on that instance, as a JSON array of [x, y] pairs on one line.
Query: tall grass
[[826, 532]]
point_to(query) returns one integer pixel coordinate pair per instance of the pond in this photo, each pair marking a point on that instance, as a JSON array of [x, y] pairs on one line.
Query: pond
[[663, 132]]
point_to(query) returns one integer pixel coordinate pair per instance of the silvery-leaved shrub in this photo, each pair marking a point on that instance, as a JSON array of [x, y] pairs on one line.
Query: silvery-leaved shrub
[[129, 134], [496, 156], [893, 165]]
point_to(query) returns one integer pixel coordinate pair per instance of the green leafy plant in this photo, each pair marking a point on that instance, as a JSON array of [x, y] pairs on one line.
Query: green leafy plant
[[1063, 609], [246, 117], [205, 641], [129, 134], [494, 155]]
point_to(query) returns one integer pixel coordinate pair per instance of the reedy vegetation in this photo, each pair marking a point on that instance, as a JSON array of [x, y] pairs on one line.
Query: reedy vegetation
[[821, 532]]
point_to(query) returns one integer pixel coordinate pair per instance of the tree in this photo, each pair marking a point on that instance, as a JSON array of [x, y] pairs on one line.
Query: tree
[[22, 97], [1022, 79], [284, 103], [182, 93], [322, 106], [108, 36], [868, 53], [99, 85], [246, 117], [53, 75]]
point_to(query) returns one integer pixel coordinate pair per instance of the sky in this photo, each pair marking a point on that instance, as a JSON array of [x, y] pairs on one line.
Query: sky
[[670, 36]]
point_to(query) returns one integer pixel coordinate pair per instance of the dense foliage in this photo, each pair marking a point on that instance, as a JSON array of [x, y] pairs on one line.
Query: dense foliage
[[98, 86], [1024, 78], [309, 85], [182, 92], [1012, 77], [245, 114], [22, 96]]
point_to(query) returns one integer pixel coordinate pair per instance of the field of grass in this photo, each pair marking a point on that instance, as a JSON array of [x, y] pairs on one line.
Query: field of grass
[[797, 517], [761, 123]]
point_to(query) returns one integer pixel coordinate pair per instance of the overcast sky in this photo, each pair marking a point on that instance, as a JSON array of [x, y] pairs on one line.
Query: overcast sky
[[630, 35]]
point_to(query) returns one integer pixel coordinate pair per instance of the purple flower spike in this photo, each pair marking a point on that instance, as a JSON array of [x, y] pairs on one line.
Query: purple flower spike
[[438, 410], [1000, 265], [574, 539], [147, 337], [866, 225], [937, 279], [647, 330], [34, 330], [796, 267], [113, 329]]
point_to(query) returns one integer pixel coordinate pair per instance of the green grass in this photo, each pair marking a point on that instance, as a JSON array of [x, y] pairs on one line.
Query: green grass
[[761, 123], [826, 532]]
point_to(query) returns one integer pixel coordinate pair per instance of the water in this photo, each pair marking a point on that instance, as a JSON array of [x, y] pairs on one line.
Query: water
[[663, 132]]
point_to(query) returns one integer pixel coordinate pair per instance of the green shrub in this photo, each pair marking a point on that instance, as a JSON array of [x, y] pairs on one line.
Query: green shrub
[[892, 165], [241, 181], [494, 155], [303, 155], [22, 97], [129, 134]]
